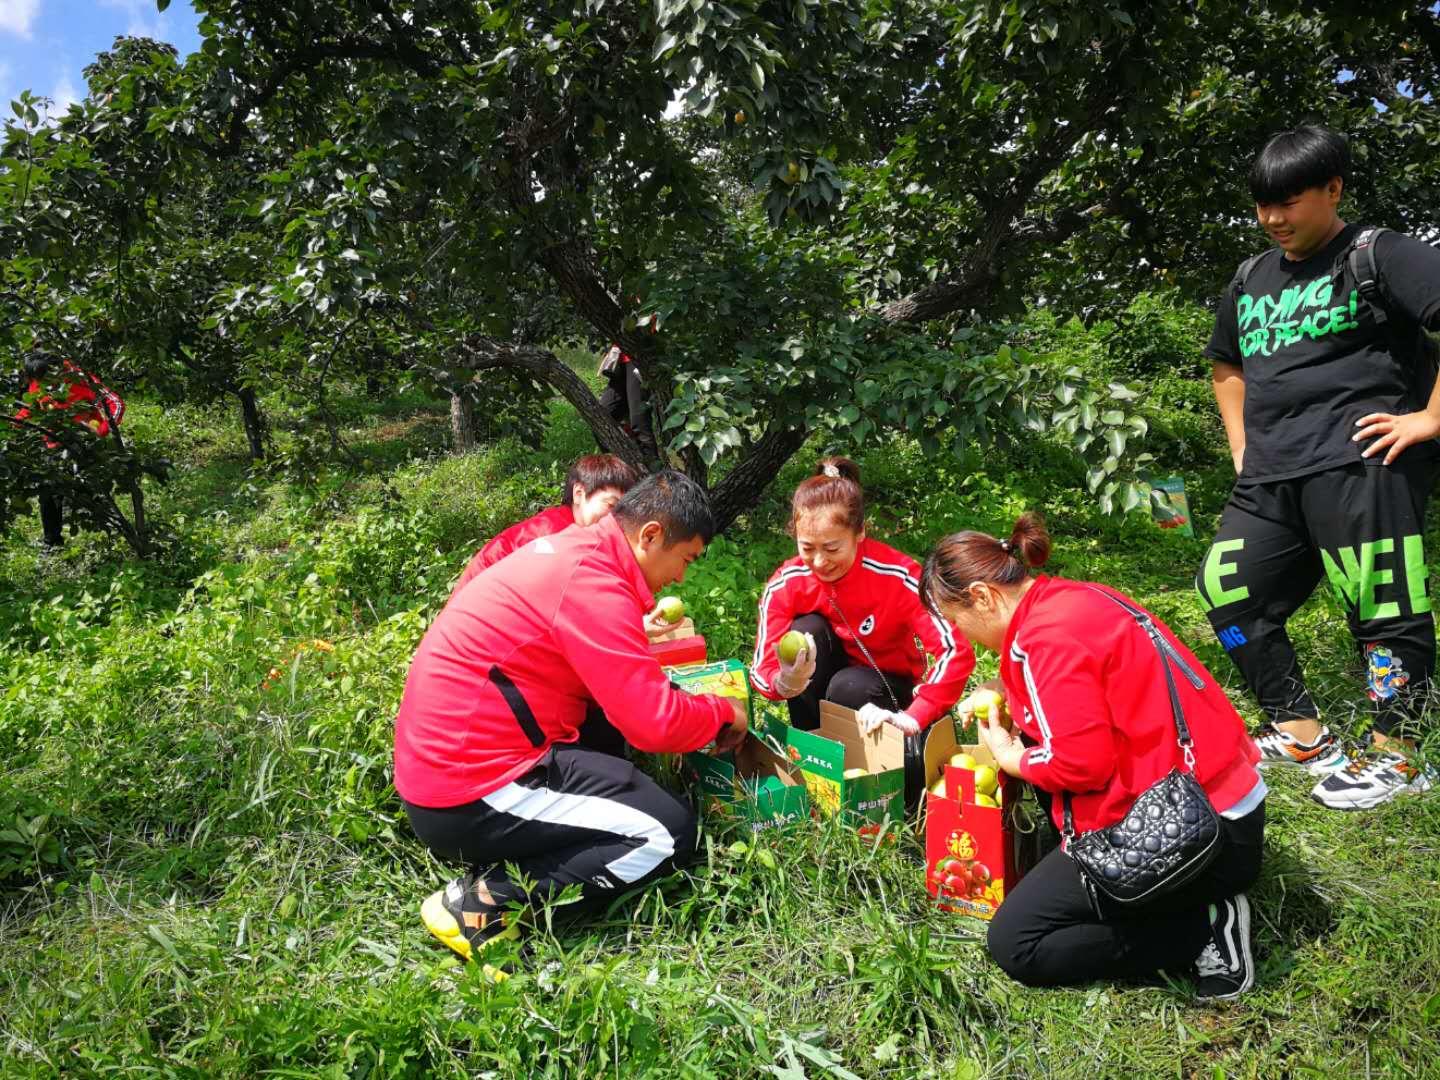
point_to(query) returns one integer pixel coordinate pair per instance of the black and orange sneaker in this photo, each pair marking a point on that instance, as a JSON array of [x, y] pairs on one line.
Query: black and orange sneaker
[[462, 921], [1321, 757]]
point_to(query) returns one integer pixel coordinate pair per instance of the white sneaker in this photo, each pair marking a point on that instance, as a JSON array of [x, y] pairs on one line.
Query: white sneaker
[[1371, 780]]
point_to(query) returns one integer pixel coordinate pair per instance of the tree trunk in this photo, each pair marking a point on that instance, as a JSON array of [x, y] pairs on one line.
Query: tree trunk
[[140, 540], [255, 429], [746, 482], [462, 422]]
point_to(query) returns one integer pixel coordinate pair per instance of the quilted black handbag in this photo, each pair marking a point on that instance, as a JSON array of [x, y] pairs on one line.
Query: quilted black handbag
[[1171, 833]]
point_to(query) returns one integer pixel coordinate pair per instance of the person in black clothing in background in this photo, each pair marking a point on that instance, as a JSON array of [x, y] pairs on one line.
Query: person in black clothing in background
[[624, 396], [1324, 376]]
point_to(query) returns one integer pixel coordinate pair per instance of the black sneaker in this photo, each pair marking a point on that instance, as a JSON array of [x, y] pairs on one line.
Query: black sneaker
[[457, 917], [1225, 968]]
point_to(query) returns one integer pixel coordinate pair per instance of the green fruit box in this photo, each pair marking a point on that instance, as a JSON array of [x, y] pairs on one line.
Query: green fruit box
[[838, 745], [728, 678], [755, 783], [969, 856]]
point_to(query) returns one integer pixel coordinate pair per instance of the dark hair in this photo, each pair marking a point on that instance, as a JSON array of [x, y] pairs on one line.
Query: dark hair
[[963, 558], [40, 363], [595, 471], [1295, 161], [835, 486], [678, 503]]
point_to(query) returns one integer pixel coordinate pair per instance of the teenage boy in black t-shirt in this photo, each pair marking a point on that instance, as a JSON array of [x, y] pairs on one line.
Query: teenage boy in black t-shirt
[[1331, 409]]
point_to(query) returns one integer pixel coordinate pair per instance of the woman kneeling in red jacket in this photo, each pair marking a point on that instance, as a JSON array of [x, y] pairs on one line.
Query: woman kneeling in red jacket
[[1087, 697]]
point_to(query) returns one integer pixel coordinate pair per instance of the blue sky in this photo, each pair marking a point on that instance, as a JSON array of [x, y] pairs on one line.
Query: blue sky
[[45, 45]]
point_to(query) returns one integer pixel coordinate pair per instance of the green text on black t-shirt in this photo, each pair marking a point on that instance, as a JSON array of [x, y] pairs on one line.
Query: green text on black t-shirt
[[1302, 311]]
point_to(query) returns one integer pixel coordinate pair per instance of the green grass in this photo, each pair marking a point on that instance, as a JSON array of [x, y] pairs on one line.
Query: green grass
[[216, 879]]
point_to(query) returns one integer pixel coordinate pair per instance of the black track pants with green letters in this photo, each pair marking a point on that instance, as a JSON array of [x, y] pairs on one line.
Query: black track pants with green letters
[[1361, 528]]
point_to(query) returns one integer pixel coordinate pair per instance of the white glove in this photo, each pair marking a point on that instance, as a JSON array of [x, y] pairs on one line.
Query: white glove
[[795, 676], [872, 716]]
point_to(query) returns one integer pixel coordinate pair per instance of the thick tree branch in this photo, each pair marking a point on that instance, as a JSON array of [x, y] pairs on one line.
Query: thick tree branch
[[972, 287], [484, 353]]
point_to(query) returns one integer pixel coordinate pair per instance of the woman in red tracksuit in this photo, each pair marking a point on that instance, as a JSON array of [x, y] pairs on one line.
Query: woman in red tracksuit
[[867, 633], [1087, 696]]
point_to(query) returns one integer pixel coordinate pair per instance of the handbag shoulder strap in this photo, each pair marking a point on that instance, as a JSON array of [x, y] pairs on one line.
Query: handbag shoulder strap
[[835, 603], [1168, 655]]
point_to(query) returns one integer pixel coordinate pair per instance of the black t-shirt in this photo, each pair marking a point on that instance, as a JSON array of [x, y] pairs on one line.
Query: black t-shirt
[[1313, 357]]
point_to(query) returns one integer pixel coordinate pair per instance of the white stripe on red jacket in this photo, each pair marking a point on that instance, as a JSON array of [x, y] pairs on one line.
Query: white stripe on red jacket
[[509, 669], [879, 597]]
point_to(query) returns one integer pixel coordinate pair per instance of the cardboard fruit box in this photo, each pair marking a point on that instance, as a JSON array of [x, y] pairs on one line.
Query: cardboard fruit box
[[728, 678], [679, 645], [969, 856], [838, 746], [755, 784]]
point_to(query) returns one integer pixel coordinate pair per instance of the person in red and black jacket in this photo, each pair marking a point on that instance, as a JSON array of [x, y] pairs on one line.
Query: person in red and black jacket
[[1087, 711], [485, 756], [593, 486], [858, 602], [88, 402]]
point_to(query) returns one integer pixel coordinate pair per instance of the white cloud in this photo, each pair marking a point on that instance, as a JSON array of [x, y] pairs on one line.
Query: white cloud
[[64, 96], [142, 18], [16, 16]]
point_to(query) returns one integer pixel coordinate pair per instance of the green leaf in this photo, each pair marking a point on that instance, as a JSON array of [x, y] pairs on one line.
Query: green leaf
[[158, 936]]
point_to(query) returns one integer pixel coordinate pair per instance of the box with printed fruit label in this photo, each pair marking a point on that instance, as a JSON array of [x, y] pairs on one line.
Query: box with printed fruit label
[[728, 678], [969, 857], [859, 776], [757, 783]]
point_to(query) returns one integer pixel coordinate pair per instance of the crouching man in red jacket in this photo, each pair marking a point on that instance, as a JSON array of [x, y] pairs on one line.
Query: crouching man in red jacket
[[485, 760]]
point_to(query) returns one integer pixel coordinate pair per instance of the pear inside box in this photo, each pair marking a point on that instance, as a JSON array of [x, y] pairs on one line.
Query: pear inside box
[[969, 857]]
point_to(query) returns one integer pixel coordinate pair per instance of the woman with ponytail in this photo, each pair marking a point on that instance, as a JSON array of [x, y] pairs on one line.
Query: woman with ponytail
[[857, 602], [1088, 714]]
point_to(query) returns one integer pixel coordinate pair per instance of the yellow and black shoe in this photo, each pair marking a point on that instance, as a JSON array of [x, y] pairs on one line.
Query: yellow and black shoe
[[458, 918]]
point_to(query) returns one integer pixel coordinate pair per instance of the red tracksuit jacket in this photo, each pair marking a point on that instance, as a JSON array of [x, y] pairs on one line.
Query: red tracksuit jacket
[[880, 600], [1083, 682], [508, 670], [108, 407], [546, 523]]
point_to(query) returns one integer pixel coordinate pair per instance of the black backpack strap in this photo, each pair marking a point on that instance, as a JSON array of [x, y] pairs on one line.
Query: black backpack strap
[[1359, 257], [1242, 274]]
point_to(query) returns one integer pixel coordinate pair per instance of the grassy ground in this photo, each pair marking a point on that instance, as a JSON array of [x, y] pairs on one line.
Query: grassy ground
[[207, 873]]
